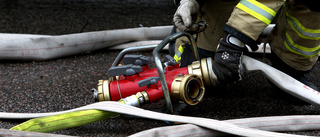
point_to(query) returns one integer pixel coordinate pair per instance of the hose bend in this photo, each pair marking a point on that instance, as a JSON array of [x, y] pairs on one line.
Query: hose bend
[[189, 89]]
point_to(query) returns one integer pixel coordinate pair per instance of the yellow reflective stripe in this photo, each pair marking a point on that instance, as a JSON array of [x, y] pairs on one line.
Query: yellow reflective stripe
[[298, 49], [263, 7], [257, 10], [177, 56], [254, 14], [301, 30]]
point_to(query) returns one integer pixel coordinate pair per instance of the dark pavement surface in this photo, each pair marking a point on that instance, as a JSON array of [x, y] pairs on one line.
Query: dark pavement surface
[[65, 83]]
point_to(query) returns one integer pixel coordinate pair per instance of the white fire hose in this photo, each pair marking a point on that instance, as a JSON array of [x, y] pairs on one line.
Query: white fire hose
[[215, 125], [44, 47], [283, 81], [242, 127]]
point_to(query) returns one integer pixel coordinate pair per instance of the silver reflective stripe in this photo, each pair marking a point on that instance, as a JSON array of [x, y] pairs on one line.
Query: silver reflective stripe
[[178, 53], [306, 53], [257, 9], [296, 26]]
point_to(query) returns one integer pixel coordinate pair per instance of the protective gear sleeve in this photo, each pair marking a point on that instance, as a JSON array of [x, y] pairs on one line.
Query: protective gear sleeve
[[251, 43]]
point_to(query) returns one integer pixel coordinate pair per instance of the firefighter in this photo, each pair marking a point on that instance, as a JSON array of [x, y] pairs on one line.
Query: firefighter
[[295, 41]]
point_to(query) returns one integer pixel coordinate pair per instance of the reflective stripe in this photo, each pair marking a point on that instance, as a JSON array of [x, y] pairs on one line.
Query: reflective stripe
[[298, 49], [302, 31], [178, 54], [257, 10]]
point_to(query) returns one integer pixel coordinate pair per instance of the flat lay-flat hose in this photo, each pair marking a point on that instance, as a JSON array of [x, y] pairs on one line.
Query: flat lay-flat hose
[[108, 109], [64, 121], [116, 107]]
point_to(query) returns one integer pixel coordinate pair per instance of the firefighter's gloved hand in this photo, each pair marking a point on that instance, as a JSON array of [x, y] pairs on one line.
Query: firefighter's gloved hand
[[227, 61], [183, 17]]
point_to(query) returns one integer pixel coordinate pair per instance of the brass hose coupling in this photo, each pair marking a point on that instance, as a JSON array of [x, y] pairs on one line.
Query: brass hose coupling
[[203, 69], [189, 89]]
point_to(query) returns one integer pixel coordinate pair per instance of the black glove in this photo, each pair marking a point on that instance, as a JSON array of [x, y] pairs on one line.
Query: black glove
[[227, 62]]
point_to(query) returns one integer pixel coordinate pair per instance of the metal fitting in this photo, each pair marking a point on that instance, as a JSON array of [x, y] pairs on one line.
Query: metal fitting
[[188, 88], [131, 100], [103, 92], [212, 77], [203, 69], [195, 68], [136, 100], [143, 97]]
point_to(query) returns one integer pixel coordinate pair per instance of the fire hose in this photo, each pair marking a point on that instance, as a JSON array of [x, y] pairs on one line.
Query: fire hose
[[45, 47], [236, 127], [142, 113], [194, 95]]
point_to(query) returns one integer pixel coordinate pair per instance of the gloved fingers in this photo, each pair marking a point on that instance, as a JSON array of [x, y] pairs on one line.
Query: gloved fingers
[[198, 27], [194, 27], [183, 16], [179, 22], [186, 17]]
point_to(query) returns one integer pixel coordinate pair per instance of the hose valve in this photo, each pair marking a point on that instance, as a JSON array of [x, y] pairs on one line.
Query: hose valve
[[124, 70], [148, 81], [171, 61], [136, 60]]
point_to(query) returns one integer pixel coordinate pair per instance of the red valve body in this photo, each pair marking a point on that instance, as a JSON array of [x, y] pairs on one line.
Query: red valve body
[[128, 85]]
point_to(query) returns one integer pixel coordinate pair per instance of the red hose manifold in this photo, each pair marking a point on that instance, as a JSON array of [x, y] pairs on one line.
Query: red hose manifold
[[184, 84]]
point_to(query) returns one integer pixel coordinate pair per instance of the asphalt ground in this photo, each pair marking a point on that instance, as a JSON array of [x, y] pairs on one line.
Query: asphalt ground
[[65, 83]]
